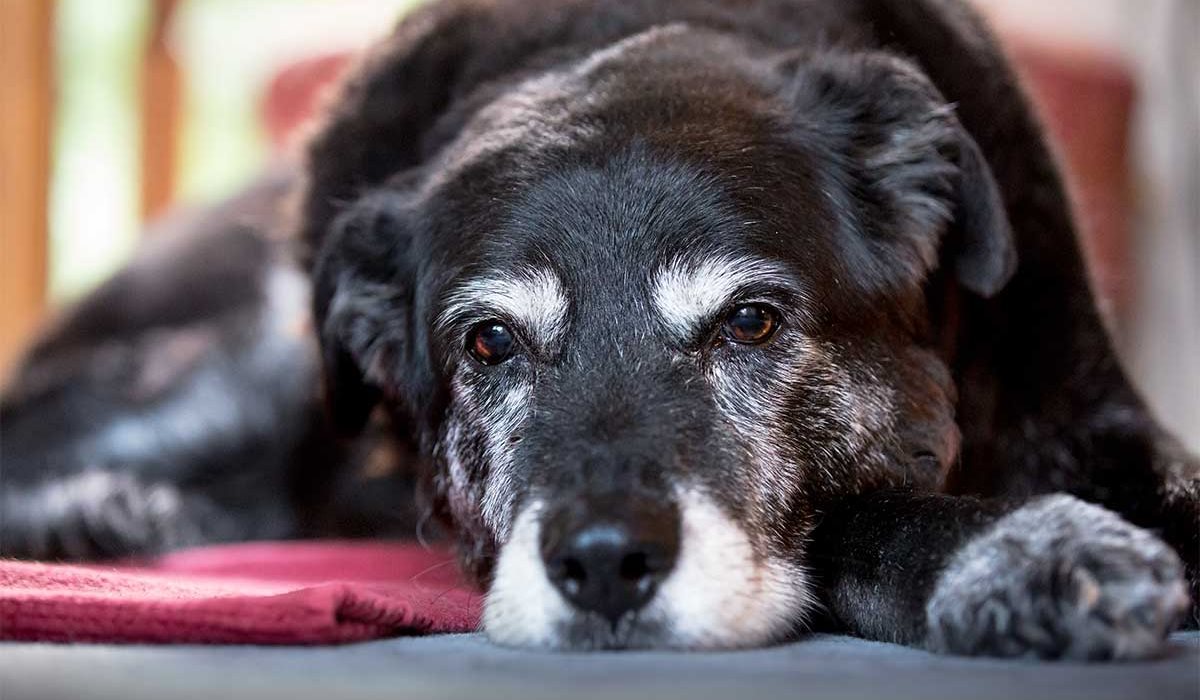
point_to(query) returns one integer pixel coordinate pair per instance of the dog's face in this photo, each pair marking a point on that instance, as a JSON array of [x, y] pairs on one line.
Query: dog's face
[[648, 315]]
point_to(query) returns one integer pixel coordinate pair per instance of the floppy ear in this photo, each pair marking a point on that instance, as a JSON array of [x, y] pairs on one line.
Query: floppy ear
[[376, 123], [924, 193], [363, 301]]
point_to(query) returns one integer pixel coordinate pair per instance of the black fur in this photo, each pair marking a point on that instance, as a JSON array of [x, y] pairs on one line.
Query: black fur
[[880, 150]]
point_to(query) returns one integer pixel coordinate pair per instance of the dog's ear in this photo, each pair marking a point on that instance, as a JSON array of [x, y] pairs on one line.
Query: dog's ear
[[922, 188], [377, 123], [363, 303]]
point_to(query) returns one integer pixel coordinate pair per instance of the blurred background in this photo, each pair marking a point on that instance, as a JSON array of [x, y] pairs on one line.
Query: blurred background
[[114, 111]]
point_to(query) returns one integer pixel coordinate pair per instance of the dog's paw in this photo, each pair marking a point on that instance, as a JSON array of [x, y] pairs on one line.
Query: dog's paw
[[1058, 578], [93, 515]]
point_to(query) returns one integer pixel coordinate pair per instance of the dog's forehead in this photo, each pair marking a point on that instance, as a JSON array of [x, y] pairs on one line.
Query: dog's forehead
[[631, 240], [627, 184], [628, 189]]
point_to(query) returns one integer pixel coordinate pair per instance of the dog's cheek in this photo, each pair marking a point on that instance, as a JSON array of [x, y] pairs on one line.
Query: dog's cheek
[[888, 420], [458, 489], [462, 470], [747, 393], [479, 482], [456, 454], [844, 423], [505, 414], [809, 425]]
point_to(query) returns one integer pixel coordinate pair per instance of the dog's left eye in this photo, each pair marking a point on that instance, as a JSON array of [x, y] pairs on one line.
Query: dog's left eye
[[750, 324], [491, 343]]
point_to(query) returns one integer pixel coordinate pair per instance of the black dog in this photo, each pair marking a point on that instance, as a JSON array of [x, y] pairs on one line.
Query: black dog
[[694, 319]]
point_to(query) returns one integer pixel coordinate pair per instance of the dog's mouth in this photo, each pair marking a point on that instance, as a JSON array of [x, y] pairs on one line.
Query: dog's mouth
[[613, 576], [587, 631]]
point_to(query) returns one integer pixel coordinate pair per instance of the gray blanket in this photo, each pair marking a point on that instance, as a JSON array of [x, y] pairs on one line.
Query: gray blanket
[[466, 666]]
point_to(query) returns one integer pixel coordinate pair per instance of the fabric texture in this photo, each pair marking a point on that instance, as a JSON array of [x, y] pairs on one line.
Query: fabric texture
[[262, 593]]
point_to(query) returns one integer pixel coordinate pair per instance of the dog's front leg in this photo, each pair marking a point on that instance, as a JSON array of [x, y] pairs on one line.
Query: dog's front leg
[[1053, 577]]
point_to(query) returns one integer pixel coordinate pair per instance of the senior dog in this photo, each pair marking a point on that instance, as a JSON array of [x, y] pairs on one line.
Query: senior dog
[[697, 322]]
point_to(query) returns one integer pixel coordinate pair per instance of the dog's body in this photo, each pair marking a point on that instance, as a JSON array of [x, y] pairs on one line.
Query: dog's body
[[693, 319]]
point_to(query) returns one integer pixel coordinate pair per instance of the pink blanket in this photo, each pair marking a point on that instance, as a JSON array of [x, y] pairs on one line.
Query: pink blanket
[[262, 593]]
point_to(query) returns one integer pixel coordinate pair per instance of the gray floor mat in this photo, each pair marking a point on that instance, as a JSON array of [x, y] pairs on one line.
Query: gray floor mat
[[467, 666]]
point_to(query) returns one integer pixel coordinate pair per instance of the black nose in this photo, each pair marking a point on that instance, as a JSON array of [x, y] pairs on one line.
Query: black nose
[[608, 555]]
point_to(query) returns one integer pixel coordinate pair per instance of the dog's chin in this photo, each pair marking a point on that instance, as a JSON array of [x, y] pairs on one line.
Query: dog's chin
[[721, 594]]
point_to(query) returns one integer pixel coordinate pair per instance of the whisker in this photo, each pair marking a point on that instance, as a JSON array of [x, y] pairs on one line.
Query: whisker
[[439, 596], [420, 531], [426, 570]]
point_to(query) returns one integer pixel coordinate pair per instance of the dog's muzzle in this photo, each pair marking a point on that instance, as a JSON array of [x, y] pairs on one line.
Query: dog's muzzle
[[607, 555]]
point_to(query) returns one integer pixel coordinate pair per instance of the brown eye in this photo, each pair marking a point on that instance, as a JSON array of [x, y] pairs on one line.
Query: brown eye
[[750, 324], [491, 343]]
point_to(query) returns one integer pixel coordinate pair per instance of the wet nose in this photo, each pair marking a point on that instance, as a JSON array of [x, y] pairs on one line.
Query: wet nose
[[608, 556]]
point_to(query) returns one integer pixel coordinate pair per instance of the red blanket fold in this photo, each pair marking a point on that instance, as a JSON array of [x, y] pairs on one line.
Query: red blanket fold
[[264, 593]]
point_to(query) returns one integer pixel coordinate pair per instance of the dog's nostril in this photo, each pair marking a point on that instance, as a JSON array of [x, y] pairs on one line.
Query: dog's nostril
[[609, 565], [634, 567], [572, 576]]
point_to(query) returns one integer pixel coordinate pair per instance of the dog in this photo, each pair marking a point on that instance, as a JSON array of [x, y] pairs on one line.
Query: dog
[[695, 325]]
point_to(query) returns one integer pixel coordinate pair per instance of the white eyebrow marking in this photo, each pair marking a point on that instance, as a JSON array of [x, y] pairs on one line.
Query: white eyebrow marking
[[531, 297], [689, 293]]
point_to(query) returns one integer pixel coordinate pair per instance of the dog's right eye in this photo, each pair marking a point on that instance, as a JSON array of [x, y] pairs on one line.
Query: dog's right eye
[[751, 324], [491, 343]]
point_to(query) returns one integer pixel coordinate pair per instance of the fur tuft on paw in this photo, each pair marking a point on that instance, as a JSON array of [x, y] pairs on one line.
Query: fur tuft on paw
[[1058, 579]]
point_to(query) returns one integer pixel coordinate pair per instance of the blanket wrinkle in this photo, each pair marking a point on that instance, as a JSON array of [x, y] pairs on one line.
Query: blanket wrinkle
[[286, 593]]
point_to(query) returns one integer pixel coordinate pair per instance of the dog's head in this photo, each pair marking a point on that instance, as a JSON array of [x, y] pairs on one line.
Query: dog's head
[[648, 312]]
